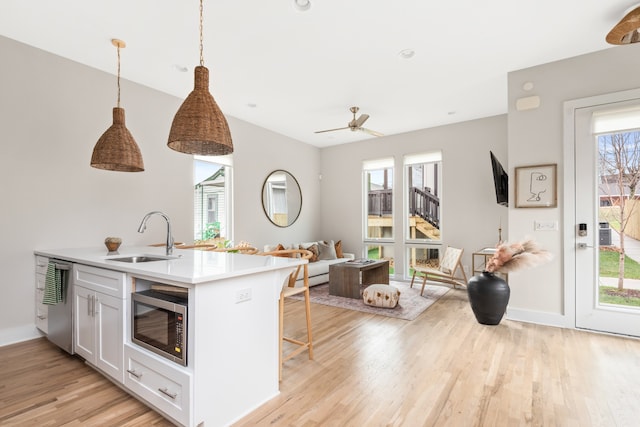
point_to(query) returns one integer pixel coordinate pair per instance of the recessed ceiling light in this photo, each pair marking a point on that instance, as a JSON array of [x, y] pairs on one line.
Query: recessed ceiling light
[[252, 105], [302, 5], [407, 53], [451, 113], [527, 86]]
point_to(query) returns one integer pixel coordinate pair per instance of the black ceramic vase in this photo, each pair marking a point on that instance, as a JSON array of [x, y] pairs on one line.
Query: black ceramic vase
[[489, 296]]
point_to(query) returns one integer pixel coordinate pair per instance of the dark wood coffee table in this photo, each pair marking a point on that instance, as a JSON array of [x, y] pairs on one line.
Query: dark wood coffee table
[[344, 278]]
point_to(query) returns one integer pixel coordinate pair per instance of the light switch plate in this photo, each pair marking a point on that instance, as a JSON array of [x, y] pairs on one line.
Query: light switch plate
[[545, 225]]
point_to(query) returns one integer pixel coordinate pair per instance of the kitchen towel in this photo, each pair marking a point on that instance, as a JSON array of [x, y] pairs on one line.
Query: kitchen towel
[[53, 292]]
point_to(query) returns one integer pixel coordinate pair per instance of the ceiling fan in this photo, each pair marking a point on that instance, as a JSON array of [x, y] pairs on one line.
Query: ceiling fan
[[355, 124]]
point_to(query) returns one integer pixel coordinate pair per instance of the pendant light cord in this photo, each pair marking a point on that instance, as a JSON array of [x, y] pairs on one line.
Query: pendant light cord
[[118, 46], [201, 56]]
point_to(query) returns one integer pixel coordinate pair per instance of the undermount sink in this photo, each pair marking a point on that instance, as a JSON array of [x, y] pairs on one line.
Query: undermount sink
[[143, 258]]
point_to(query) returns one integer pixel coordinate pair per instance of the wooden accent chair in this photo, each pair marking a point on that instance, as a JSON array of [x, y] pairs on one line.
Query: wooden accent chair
[[247, 250], [197, 247], [446, 272], [289, 288]]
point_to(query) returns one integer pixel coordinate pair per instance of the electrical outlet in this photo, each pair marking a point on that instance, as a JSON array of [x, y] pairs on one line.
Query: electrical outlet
[[545, 225], [243, 295]]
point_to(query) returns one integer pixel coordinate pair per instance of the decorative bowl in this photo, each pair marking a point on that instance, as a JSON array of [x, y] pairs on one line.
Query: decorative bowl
[[112, 244]]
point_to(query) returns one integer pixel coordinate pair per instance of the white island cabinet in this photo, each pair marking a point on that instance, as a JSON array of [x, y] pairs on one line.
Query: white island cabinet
[[42, 311], [99, 309], [232, 330]]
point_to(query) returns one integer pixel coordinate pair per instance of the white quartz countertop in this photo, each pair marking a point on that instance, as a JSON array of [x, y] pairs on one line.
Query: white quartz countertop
[[186, 266]]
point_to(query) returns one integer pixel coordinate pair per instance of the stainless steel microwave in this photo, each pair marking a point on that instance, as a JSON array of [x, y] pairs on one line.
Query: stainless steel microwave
[[159, 324]]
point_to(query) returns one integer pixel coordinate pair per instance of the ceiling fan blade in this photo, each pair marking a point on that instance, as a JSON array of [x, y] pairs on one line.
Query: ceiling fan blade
[[371, 132], [363, 118], [330, 130]]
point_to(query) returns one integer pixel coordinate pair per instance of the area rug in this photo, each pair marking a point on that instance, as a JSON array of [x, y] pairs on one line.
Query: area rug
[[410, 305]]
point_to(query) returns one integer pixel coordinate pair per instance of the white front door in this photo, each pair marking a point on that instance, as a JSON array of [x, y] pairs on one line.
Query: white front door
[[591, 311]]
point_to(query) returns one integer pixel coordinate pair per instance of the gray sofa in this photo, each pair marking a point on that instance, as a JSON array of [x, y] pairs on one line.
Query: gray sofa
[[318, 270]]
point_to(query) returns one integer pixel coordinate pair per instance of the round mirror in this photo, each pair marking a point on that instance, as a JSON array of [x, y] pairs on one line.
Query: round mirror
[[281, 198]]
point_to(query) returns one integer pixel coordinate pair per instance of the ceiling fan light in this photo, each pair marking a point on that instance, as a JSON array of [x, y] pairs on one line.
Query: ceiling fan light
[[199, 127], [116, 150]]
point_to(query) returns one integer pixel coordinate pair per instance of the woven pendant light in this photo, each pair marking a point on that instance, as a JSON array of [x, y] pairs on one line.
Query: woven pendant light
[[116, 150], [199, 127], [626, 31]]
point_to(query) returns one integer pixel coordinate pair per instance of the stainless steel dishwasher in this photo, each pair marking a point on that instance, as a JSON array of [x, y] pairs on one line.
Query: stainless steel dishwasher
[[60, 318]]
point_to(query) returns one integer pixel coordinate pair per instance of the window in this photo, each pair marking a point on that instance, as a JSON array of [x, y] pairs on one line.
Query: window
[[422, 209], [422, 256], [378, 194], [424, 191], [378, 210], [212, 208], [381, 252], [212, 193]]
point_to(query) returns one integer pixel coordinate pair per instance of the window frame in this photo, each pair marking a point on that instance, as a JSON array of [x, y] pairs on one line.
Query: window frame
[[375, 165], [421, 159], [226, 229]]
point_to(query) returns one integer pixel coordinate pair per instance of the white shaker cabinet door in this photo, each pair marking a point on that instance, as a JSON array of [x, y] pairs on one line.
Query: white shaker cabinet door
[[109, 318], [85, 324]]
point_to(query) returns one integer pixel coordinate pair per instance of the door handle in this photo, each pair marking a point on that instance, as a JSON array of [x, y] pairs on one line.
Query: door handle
[[583, 246]]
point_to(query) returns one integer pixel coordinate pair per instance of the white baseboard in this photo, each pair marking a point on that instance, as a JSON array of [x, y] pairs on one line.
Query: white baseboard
[[539, 317], [19, 334]]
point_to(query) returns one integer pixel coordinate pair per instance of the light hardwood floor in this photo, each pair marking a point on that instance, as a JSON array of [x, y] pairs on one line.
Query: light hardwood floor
[[442, 369]]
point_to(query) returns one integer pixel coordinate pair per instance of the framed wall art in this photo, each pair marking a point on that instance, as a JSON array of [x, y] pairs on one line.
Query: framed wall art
[[536, 186]]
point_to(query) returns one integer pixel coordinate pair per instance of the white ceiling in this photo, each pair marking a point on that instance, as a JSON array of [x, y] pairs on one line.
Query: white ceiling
[[303, 70]]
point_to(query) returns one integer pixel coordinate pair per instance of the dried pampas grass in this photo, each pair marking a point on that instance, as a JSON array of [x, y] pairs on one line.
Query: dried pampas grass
[[517, 256]]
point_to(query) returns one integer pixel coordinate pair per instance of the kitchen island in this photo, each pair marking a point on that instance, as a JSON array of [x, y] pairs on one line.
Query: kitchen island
[[231, 328]]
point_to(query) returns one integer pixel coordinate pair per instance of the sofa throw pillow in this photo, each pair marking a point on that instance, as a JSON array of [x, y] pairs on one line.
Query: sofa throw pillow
[[314, 251], [326, 250], [338, 247]]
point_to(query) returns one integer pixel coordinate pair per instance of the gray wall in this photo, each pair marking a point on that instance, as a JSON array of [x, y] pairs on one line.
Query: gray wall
[[536, 137], [260, 153], [471, 216], [52, 112]]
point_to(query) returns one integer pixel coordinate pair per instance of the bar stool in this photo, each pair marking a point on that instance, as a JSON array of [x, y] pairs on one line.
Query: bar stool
[[289, 288]]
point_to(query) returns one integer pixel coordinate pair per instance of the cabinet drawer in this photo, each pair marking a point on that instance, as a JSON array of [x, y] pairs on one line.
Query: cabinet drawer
[[108, 282], [40, 282], [41, 264], [42, 312], [166, 388]]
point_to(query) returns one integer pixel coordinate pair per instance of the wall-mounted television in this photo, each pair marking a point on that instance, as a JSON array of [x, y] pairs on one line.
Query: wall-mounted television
[[500, 181]]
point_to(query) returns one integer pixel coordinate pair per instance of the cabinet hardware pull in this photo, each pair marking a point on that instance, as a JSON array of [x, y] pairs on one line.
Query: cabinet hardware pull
[[134, 373], [89, 305], [41, 317], [96, 303], [167, 393]]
